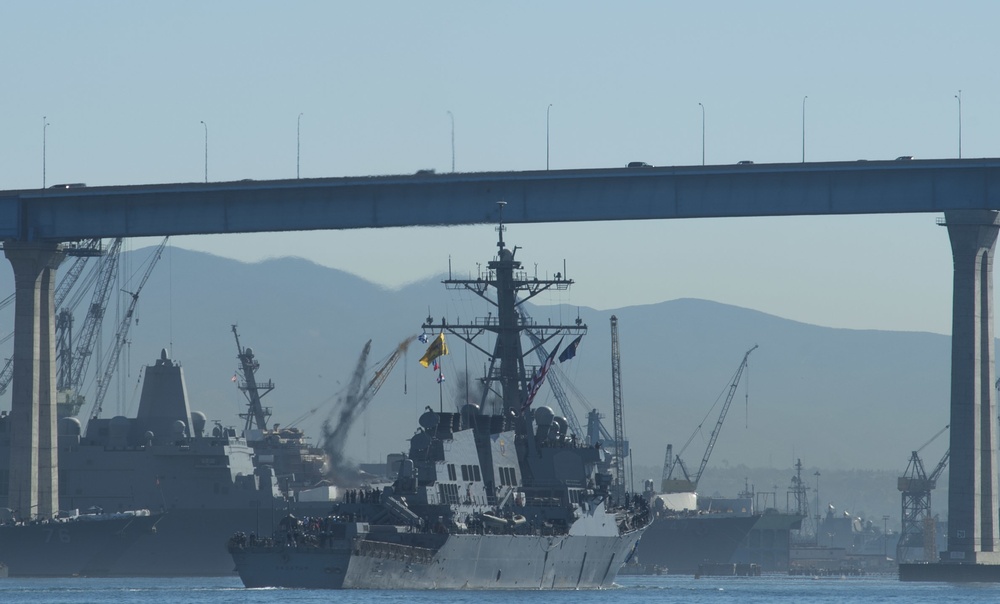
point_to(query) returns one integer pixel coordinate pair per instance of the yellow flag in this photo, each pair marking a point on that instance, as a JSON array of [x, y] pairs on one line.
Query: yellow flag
[[436, 349]]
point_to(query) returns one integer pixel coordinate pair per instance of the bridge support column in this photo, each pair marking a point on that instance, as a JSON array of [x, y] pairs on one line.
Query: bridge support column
[[972, 479], [34, 467]]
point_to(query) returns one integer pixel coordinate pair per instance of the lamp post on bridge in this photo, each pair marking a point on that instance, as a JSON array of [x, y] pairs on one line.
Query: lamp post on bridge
[[804, 128], [452, 116], [959, 97], [206, 149], [45, 126], [547, 111], [702, 133], [298, 144]]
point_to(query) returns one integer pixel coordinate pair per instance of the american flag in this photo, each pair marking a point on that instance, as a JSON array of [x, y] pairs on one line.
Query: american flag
[[539, 378]]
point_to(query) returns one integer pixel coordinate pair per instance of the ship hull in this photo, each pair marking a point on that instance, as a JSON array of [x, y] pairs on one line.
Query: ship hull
[[464, 561], [192, 543], [682, 543], [86, 548], [187, 543], [769, 543]]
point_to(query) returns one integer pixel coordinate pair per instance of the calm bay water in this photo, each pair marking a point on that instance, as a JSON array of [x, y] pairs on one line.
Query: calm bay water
[[631, 590]]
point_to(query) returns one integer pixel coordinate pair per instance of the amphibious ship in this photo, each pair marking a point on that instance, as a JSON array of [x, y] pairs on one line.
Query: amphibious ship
[[502, 498], [201, 479]]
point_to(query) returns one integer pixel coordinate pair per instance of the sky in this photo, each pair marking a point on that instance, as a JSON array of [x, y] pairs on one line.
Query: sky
[[114, 93]]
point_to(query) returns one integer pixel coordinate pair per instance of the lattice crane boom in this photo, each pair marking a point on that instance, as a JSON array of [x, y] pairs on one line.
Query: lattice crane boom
[[89, 248], [87, 337], [382, 373], [940, 467], [354, 401], [121, 337], [722, 415], [617, 406], [671, 484]]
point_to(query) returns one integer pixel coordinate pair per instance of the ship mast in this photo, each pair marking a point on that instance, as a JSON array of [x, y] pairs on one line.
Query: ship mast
[[256, 412], [513, 287]]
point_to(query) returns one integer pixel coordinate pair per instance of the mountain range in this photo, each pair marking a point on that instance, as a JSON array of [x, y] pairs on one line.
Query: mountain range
[[835, 398]]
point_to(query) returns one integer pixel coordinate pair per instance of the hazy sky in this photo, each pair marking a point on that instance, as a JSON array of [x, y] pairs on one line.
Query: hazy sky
[[125, 86]]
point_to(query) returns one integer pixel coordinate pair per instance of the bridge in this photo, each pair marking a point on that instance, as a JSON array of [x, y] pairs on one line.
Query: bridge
[[35, 223]]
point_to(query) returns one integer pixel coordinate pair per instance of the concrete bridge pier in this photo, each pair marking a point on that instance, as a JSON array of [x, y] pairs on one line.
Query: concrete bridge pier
[[972, 480], [34, 468]]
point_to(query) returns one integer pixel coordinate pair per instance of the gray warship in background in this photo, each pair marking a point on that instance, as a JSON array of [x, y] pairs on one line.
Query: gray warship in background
[[691, 533], [73, 545], [498, 499], [200, 483]]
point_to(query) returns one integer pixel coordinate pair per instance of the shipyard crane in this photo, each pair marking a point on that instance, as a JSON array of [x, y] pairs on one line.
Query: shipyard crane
[[254, 391], [89, 248], [121, 337], [64, 319], [669, 462], [355, 400], [915, 487], [621, 445], [71, 376], [686, 484]]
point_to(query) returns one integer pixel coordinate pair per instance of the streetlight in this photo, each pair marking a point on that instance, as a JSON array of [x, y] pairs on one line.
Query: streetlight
[[959, 97], [298, 144], [206, 149], [452, 116], [45, 126], [804, 130], [547, 111], [702, 133]]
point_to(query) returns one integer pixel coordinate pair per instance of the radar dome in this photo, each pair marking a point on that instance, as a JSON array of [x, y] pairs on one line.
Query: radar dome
[[429, 420], [543, 416], [198, 420], [119, 422], [118, 431], [70, 426], [420, 441]]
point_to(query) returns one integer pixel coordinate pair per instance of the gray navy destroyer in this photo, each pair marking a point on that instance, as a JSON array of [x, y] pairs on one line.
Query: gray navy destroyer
[[497, 499]]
